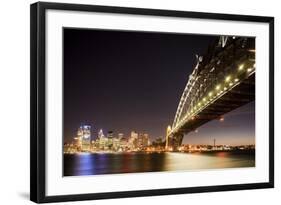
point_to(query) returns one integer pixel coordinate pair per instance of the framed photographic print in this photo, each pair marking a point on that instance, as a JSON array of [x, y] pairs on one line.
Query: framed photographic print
[[129, 102]]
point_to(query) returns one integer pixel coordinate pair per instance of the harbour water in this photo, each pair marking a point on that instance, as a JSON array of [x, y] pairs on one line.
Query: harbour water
[[112, 163]]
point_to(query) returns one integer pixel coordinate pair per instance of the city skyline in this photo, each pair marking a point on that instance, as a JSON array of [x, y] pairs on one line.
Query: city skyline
[[86, 141], [120, 91]]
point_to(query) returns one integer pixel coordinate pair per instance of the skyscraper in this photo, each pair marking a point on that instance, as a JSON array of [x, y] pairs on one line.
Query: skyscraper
[[100, 134], [120, 135], [84, 135], [110, 140], [142, 140], [133, 140]]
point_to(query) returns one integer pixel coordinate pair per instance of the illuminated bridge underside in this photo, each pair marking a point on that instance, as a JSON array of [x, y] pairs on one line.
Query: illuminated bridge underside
[[236, 97]]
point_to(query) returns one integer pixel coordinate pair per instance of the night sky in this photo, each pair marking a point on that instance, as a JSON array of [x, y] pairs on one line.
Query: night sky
[[122, 81]]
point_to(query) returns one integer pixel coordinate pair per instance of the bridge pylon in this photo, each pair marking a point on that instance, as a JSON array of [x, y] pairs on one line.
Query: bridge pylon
[[173, 141]]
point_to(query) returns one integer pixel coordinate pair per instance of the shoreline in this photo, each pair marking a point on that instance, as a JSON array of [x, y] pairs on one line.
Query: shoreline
[[252, 151]]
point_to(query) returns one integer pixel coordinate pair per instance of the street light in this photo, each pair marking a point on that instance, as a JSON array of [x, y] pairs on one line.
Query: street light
[[227, 79], [241, 67]]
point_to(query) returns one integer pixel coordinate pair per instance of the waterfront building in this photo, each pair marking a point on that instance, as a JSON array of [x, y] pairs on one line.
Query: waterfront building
[[84, 137], [110, 137], [133, 141], [100, 134], [116, 144], [123, 144], [69, 148], [120, 135], [142, 141], [103, 143], [78, 142]]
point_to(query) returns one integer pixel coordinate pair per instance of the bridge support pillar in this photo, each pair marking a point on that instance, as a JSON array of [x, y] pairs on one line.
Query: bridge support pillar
[[173, 142]]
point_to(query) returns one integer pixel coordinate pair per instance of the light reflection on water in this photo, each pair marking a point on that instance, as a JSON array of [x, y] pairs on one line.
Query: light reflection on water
[[92, 164]]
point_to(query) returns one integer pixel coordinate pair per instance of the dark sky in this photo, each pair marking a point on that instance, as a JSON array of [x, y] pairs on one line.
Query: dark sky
[[124, 81]]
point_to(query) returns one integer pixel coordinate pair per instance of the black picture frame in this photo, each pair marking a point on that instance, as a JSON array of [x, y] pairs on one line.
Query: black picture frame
[[38, 101]]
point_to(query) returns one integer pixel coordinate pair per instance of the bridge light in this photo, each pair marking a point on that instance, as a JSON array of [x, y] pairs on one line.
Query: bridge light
[[230, 84], [249, 70], [227, 79], [236, 80], [241, 67], [225, 88], [210, 94], [218, 87], [204, 99], [199, 104]]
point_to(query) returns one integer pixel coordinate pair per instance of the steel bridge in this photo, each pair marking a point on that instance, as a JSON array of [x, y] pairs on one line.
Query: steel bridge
[[222, 80]]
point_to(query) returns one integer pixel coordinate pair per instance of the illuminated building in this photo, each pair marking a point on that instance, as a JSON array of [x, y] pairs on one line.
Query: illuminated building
[[142, 141], [120, 135], [110, 134], [133, 140], [84, 137], [123, 144], [78, 142], [110, 137], [145, 141], [159, 140], [116, 144], [103, 142], [100, 134]]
